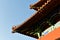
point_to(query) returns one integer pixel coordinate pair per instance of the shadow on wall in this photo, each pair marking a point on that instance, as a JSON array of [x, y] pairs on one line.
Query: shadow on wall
[[58, 39]]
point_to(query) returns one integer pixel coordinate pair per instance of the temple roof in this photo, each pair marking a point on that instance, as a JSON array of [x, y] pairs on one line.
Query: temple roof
[[42, 3], [40, 20], [37, 4]]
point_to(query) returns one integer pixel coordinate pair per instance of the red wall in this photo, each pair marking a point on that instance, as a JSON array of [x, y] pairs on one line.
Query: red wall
[[52, 35]]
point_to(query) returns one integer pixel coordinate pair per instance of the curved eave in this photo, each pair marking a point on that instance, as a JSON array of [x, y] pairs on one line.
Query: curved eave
[[36, 17], [41, 3], [37, 4], [40, 14]]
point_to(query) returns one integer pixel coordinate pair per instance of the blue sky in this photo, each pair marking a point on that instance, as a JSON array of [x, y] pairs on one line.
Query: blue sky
[[14, 12]]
